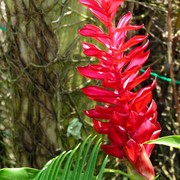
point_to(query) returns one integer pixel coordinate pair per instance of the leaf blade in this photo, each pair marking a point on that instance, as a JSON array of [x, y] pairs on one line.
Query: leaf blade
[[18, 173], [173, 141], [100, 175], [88, 175]]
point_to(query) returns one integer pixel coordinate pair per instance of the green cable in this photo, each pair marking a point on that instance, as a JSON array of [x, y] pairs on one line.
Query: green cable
[[161, 77], [3, 28]]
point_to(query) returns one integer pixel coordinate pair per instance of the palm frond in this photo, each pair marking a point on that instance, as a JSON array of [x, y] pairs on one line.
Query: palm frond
[[77, 164], [73, 165]]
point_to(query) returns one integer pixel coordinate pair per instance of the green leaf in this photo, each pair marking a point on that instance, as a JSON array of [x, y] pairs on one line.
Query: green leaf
[[82, 158], [173, 141], [17, 173], [73, 165], [52, 168], [88, 175], [67, 167], [100, 175], [78, 164]]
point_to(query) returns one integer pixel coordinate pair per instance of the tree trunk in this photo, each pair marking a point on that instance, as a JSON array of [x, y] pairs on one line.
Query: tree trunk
[[31, 58]]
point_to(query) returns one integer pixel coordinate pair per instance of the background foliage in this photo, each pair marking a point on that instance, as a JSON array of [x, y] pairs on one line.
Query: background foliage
[[40, 99]]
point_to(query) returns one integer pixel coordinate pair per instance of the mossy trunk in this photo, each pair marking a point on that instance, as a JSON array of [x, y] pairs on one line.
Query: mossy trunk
[[31, 58]]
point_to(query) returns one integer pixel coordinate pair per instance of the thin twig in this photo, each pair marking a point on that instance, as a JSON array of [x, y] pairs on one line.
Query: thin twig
[[170, 59]]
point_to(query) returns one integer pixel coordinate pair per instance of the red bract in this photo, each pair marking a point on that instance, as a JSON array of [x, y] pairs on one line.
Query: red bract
[[128, 116]]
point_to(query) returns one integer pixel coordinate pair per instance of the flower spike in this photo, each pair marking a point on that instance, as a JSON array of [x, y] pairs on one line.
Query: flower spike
[[127, 114]]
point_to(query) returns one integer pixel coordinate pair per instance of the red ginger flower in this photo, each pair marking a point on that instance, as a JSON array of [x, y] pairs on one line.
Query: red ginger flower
[[128, 117]]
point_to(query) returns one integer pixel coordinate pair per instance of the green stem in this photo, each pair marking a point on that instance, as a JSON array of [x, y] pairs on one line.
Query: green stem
[[133, 175], [106, 170], [136, 176]]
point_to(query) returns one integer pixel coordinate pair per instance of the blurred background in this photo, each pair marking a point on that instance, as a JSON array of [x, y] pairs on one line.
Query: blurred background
[[41, 104]]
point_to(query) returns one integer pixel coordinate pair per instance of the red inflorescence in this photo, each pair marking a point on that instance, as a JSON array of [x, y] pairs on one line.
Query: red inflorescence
[[128, 116]]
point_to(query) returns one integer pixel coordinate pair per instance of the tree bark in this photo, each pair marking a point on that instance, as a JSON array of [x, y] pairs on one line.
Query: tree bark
[[31, 58]]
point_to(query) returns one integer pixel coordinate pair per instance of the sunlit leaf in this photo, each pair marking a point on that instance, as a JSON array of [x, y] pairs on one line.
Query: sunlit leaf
[[17, 173], [173, 141]]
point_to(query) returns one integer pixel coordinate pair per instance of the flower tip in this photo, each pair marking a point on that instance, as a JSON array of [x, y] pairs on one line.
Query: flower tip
[[148, 70], [129, 13], [78, 69], [86, 112], [84, 45], [142, 25], [153, 85], [79, 31], [147, 35]]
